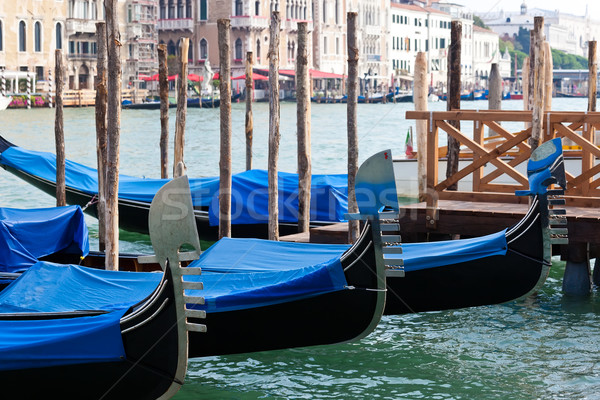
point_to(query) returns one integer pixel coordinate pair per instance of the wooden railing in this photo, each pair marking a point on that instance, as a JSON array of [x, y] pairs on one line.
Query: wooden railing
[[507, 154], [87, 97]]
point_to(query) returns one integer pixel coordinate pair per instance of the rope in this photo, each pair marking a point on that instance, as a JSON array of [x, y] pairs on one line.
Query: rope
[[94, 200], [366, 289]]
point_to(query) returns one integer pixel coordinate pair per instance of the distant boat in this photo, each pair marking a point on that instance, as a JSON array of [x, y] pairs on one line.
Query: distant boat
[[4, 101]]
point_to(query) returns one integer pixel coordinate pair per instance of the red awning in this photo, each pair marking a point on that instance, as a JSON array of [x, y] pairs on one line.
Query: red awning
[[215, 77], [173, 77], [195, 78], [315, 74], [256, 77]]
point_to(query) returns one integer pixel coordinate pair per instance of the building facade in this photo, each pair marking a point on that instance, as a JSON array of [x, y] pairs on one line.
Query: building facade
[[565, 32], [30, 32]]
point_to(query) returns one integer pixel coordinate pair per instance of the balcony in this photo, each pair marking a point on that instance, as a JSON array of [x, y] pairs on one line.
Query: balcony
[[373, 57], [76, 25], [292, 24], [249, 22], [373, 30], [82, 57], [180, 24]]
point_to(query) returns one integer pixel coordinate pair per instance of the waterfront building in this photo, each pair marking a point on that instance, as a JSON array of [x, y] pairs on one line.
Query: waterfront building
[[30, 31], [415, 28], [564, 31], [485, 53]]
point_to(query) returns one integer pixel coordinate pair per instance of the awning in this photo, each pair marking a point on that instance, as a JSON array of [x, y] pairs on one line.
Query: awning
[[256, 77], [314, 74], [195, 78]]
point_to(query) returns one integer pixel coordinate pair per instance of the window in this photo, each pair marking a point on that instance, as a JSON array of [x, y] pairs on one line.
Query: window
[[86, 6], [1, 37], [337, 12], [324, 11], [188, 9], [180, 9], [238, 7], [59, 36], [163, 10], [258, 50], [171, 14], [71, 47], [38, 36], [257, 8], [22, 36], [39, 72], [442, 43], [71, 8], [337, 45], [324, 45], [203, 49], [238, 49], [203, 10], [171, 48]]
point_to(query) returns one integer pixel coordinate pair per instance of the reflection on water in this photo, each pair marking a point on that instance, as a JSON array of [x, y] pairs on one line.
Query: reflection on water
[[545, 347]]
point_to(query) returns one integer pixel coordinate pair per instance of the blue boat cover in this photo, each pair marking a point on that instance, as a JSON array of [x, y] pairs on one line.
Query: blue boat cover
[[47, 287], [425, 255], [246, 273], [329, 193], [27, 235]]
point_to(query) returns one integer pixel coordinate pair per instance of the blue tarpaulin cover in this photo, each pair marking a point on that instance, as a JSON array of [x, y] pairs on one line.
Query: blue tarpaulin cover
[[26, 235], [329, 193], [418, 256], [247, 273], [47, 287]]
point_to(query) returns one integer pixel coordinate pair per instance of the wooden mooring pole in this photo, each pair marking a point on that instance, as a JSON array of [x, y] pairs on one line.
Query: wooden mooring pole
[[113, 135], [548, 78], [224, 32], [178, 163], [453, 97], [538, 84], [420, 93], [163, 84], [274, 135], [249, 117], [101, 100], [593, 76], [353, 227], [59, 134], [303, 126], [495, 89]]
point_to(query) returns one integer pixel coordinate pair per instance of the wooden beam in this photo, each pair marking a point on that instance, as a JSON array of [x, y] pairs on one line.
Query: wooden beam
[[303, 129], [420, 94], [101, 134], [178, 162], [224, 32], [453, 96], [59, 133], [163, 83], [274, 135], [352, 124], [249, 117]]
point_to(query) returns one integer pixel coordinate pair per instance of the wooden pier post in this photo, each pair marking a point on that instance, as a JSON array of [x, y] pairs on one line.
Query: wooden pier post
[[593, 76], [420, 94], [163, 84], [113, 135], [453, 98], [548, 77], [59, 134], [249, 116], [181, 109], [577, 277], [537, 52], [495, 89], [224, 32], [525, 84], [352, 23], [303, 126], [101, 99], [274, 135]]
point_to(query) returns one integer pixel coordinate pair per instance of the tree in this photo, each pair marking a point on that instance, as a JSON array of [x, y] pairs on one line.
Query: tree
[[479, 22], [522, 39]]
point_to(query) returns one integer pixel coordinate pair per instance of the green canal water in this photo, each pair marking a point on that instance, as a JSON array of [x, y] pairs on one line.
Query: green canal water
[[544, 347]]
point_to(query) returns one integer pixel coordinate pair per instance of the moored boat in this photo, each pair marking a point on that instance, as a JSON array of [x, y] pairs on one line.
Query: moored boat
[[78, 333], [492, 269]]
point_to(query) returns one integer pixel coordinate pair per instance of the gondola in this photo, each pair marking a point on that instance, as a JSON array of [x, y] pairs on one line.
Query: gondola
[[204, 102], [28, 236], [486, 270], [73, 332], [263, 295], [249, 199]]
